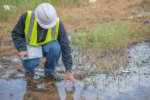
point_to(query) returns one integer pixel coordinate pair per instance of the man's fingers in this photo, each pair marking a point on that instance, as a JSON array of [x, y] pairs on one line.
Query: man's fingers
[[23, 54], [73, 82], [65, 80], [27, 56], [70, 77]]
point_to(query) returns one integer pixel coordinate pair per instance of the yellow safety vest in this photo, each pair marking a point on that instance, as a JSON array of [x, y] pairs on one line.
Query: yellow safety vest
[[31, 31]]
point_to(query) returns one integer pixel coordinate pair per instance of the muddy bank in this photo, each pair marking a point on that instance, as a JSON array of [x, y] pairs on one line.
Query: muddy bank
[[131, 82]]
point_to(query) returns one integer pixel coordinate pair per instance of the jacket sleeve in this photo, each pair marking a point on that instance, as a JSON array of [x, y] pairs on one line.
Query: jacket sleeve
[[65, 47], [18, 35]]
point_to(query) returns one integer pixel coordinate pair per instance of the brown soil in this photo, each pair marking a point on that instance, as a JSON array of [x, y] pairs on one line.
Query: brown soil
[[104, 11]]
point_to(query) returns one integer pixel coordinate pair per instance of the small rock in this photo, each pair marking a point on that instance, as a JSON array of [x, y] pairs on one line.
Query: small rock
[[20, 70], [6, 7], [145, 73], [143, 61], [11, 94], [0, 66], [14, 58], [92, 1], [39, 70], [119, 91], [131, 17], [140, 15], [5, 76], [60, 69], [69, 37], [146, 22], [20, 75], [129, 57], [124, 72]]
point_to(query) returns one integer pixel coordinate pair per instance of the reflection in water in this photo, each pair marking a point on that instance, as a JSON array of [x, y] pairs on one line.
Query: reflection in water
[[20, 90], [12, 89], [43, 91], [69, 94], [47, 91]]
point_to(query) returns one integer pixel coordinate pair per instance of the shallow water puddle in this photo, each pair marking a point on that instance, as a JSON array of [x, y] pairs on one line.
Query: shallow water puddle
[[131, 82], [12, 89]]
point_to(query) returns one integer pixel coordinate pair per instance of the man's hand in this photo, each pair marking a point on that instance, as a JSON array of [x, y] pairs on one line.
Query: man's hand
[[23, 54], [69, 76]]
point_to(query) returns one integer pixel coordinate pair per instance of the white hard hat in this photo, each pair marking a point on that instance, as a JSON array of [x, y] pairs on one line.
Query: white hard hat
[[46, 15]]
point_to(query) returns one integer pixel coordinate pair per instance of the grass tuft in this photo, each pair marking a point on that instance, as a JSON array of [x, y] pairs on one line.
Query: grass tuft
[[105, 37]]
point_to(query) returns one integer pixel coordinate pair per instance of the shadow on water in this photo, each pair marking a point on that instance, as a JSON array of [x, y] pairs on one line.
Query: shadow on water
[[128, 83]]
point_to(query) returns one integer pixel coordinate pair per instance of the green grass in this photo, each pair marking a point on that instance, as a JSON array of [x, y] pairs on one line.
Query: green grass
[[105, 37], [21, 6], [32, 3], [105, 44]]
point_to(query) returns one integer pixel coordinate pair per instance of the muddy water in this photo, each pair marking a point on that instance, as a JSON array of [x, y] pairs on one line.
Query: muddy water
[[131, 82]]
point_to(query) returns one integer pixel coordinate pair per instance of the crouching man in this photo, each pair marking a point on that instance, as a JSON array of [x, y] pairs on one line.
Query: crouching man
[[40, 32]]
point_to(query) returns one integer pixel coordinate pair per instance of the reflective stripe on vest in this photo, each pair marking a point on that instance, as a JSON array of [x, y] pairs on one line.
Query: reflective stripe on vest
[[31, 31]]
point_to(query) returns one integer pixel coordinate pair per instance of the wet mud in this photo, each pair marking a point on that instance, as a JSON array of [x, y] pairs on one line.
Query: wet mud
[[131, 82]]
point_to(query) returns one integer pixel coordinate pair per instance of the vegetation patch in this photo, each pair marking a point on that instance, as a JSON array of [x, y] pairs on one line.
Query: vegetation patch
[[15, 7], [106, 44], [106, 37]]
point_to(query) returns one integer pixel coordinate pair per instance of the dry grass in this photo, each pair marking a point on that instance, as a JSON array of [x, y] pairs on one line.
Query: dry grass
[[104, 11], [6, 45]]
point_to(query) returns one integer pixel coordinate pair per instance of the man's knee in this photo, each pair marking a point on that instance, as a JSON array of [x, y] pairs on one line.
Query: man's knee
[[53, 48]]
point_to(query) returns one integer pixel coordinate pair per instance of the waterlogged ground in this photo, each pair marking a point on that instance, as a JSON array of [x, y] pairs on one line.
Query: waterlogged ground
[[131, 82]]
